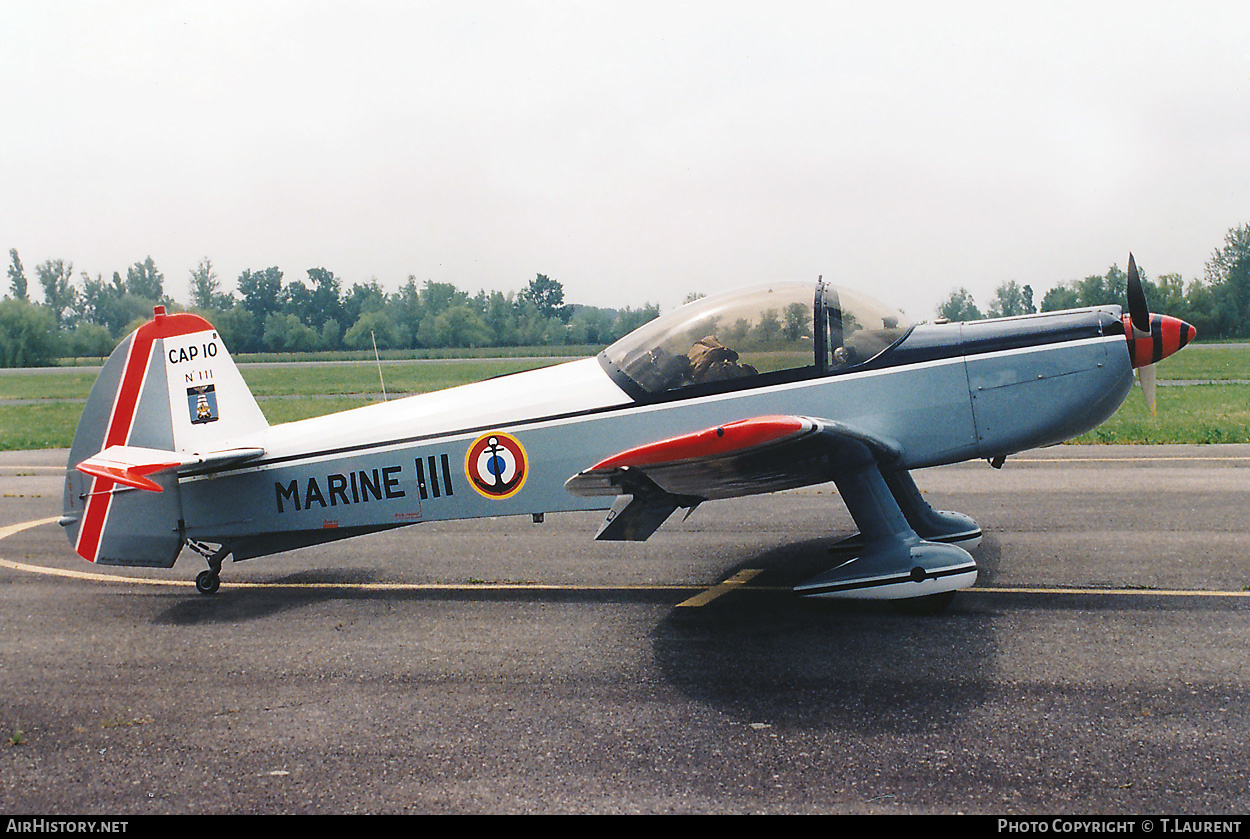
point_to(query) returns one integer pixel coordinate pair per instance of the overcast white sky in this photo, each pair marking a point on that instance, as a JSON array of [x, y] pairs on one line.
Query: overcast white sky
[[634, 151]]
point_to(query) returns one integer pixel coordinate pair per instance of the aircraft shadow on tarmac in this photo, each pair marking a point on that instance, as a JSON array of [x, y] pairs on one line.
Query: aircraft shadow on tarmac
[[858, 665], [759, 656], [246, 603]]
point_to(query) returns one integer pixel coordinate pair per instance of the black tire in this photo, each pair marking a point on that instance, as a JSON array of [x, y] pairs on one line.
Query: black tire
[[206, 582]]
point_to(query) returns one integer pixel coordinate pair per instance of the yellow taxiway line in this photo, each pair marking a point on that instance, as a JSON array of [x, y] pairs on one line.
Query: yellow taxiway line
[[735, 582], [9, 529], [704, 596]]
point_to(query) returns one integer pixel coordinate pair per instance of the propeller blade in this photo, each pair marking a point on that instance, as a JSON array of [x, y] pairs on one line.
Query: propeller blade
[[1138, 309], [1146, 375]]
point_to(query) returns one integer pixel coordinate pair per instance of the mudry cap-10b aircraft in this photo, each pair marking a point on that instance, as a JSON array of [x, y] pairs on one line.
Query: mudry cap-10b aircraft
[[745, 392]]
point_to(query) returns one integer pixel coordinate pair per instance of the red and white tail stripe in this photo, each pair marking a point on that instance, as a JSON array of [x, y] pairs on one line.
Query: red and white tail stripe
[[139, 373]]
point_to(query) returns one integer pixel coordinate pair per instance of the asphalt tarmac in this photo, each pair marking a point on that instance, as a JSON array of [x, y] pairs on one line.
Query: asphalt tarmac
[[1099, 665]]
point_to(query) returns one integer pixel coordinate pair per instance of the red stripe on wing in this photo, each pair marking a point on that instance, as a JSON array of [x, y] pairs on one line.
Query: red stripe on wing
[[712, 442]]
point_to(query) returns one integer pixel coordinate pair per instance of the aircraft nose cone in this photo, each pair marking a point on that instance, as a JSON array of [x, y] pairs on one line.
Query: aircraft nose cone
[[1176, 334], [1167, 336], [1173, 335]]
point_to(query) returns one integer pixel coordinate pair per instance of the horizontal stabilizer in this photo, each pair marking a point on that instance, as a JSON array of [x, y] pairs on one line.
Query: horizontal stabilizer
[[196, 463], [130, 465]]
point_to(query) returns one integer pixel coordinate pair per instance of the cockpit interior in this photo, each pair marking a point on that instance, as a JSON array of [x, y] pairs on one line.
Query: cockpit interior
[[782, 332]]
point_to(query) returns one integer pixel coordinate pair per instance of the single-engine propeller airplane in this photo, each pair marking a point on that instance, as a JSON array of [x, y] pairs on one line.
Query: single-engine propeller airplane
[[746, 392]]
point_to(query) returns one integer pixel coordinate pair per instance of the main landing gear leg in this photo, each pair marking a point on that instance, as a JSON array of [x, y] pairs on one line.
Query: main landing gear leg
[[209, 580], [932, 525], [892, 562]]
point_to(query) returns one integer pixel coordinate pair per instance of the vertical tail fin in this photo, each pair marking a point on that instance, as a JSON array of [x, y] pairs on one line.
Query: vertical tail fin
[[170, 387]]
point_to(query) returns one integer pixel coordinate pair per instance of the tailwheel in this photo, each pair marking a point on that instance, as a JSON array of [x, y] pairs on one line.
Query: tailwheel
[[207, 582]]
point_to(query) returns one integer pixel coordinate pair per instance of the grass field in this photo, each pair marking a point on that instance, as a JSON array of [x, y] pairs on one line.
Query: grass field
[[1191, 414], [40, 409]]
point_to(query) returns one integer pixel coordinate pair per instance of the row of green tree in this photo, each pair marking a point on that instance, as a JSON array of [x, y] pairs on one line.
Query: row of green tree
[[84, 316], [1218, 305], [87, 316]]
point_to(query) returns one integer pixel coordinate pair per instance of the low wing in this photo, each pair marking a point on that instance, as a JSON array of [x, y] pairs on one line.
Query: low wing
[[130, 465], [762, 454]]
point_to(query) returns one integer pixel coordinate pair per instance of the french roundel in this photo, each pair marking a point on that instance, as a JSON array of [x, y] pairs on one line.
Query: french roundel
[[496, 465]]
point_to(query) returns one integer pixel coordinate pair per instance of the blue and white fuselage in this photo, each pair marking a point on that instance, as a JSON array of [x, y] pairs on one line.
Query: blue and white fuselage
[[880, 397]]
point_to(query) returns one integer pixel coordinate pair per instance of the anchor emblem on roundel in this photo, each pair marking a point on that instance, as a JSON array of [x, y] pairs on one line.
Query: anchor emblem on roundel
[[496, 465]]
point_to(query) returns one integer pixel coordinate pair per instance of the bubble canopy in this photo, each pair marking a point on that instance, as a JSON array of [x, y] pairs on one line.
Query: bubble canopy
[[782, 331]]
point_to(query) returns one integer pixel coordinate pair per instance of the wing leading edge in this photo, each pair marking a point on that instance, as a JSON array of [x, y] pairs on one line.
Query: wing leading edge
[[904, 549], [748, 457]]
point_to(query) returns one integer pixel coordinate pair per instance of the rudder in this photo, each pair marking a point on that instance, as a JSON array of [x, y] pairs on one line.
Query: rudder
[[169, 387]]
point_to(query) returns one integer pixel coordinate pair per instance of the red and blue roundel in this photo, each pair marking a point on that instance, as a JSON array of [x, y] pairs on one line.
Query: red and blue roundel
[[496, 465]]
